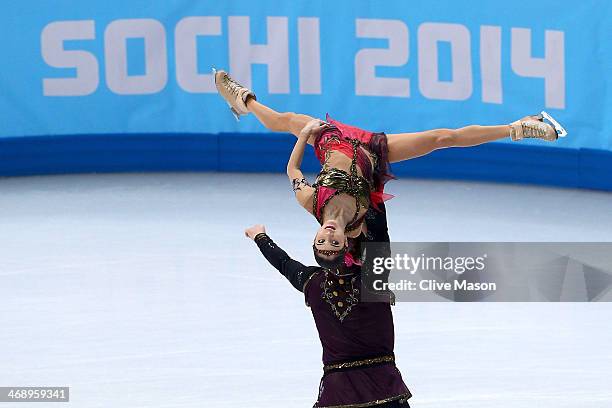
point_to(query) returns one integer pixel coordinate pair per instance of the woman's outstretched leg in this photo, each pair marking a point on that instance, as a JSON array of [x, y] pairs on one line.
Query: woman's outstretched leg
[[242, 101], [277, 121], [404, 146]]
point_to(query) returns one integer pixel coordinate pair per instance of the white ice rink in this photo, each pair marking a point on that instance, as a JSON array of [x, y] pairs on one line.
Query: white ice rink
[[141, 291]]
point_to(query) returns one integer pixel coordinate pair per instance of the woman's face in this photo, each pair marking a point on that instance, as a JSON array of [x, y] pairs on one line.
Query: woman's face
[[330, 238]]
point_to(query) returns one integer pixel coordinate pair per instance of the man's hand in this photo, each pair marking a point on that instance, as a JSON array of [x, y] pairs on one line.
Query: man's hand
[[252, 232]]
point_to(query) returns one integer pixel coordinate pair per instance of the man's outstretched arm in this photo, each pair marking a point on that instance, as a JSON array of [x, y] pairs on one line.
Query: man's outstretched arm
[[297, 273]]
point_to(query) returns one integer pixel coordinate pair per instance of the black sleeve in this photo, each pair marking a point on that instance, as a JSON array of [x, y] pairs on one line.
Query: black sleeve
[[297, 273], [377, 231], [376, 222]]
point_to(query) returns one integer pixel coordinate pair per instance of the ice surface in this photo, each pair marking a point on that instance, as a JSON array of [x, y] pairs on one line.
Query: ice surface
[[142, 291]]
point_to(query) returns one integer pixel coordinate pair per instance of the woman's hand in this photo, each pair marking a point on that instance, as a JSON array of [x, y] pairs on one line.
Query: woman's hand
[[252, 232], [313, 128]]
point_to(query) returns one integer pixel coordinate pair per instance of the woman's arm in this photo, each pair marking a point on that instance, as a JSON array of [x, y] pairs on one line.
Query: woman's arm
[[295, 160], [309, 132], [303, 190]]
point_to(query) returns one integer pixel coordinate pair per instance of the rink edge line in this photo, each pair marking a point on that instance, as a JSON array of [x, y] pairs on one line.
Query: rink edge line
[[233, 152]]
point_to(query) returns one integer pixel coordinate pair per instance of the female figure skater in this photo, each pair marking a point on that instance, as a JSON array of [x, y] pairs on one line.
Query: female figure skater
[[355, 162]]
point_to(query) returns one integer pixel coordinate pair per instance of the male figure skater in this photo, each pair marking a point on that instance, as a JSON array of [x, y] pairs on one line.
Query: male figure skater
[[357, 337]]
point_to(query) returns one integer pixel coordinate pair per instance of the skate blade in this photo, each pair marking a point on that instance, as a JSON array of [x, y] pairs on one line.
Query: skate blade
[[214, 74], [236, 114], [556, 125]]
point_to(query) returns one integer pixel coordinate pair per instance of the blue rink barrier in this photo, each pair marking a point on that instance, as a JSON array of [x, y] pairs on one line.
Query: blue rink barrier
[[256, 152]]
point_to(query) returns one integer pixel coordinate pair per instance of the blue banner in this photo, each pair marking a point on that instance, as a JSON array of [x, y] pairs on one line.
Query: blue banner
[[117, 67]]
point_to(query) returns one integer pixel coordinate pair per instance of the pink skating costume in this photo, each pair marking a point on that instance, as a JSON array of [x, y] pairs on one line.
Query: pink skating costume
[[367, 188]]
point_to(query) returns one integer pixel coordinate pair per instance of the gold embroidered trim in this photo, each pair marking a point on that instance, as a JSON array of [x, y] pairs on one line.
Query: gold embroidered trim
[[359, 363], [403, 397], [351, 300]]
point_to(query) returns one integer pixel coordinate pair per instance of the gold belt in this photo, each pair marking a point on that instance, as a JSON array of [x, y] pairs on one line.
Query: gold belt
[[359, 363]]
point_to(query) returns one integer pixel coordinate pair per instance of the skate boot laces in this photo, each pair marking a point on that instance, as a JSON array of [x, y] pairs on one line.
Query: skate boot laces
[[535, 129], [231, 85]]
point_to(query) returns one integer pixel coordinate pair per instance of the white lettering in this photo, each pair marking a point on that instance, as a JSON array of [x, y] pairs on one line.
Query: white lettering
[[185, 43], [460, 87], [86, 64], [275, 54], [115, 51], [367, 59], [309, 47], [490, 64], [551, 67]]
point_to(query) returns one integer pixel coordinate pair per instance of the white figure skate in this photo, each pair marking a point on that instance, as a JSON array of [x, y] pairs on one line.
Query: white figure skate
[[535, 127], [234, 94]]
